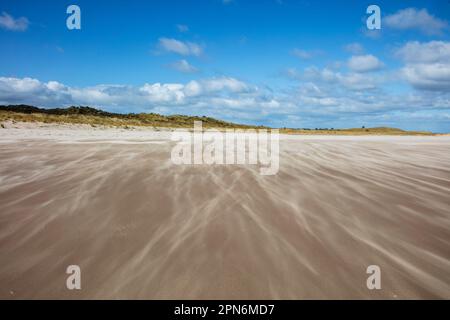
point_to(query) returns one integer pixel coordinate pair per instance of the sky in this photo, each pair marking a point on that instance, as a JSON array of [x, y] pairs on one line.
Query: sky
[[281, 63]]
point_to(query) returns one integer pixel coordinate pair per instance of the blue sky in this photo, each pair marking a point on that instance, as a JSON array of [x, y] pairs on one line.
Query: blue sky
[[272, 62]]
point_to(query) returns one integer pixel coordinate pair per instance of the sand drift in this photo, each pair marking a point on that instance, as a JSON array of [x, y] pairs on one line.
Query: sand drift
[[112, 202]]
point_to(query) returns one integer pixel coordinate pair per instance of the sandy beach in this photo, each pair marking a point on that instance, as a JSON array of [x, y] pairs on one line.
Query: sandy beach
[[112, 202]]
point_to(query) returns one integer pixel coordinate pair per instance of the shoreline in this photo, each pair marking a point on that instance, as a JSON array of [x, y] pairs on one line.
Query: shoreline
[[69, 131]]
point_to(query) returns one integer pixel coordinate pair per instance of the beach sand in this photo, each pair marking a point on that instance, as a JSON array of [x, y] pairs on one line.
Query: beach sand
[[112, 202]]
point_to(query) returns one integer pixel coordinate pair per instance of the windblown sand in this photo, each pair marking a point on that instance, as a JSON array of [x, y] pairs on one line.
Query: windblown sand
[[112, 202]]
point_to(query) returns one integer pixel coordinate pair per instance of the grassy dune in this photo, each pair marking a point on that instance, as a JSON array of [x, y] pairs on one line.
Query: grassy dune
[[359, 131], [95, 117]]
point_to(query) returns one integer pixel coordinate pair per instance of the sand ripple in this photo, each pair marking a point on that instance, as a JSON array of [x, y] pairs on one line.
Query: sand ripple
[[140, 227]]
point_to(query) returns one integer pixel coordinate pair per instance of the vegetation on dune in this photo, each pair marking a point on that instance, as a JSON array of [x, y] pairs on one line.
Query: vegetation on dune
[[96, 117], [88, 115], [358, 131]]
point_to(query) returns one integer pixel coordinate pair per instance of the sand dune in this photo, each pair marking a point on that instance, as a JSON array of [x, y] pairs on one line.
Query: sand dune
[[141, 227]]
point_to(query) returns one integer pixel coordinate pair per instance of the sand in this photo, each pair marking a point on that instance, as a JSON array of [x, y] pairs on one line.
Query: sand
[[112, 202]]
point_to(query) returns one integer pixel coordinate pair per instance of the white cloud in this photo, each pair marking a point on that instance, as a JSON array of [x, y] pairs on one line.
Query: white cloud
[[196, 93], [414, 19], [357, 81], [54, 85], [364, 63], [8, 22], [428, 76], [429, 52], [348, 81], [217, 85], [183, 66], [427, 65], [225, 83], [19, 85], [180, 47], [326, 96], [193, 88], [163, 93]]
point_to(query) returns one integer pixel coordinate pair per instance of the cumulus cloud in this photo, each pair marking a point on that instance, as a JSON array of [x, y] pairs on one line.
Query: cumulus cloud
[[350, 81], [364, 63], [325, 97], [180, 47], [357, 81], [428, 76], [19, 90], [225, 83], [428, 52], [8, 22], [183, 66], [196, 93], [333, 96], [414, 19], [163, 93], [427, 65]]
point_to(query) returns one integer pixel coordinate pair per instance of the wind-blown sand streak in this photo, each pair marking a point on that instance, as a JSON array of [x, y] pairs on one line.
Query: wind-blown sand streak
[[141, 227]]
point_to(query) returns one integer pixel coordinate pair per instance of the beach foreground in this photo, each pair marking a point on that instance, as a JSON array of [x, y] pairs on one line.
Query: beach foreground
[[112, 202]]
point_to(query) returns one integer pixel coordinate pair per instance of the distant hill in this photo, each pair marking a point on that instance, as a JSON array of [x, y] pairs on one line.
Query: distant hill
[[96, 117], [23, 108]]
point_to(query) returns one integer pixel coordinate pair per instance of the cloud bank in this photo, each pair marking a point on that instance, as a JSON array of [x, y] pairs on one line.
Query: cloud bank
[[427, 65]]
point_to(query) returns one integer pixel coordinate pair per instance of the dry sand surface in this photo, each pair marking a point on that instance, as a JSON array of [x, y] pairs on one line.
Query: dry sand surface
[[112, 202]]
